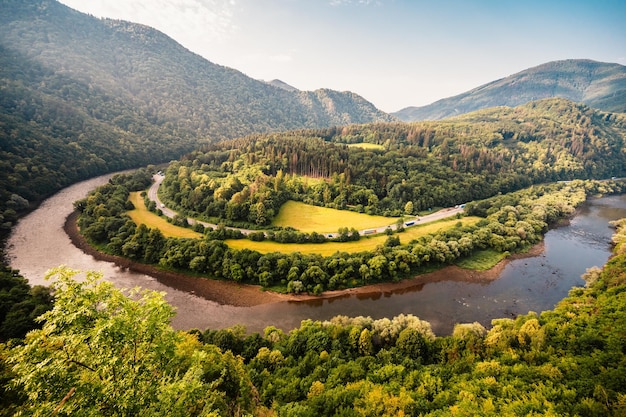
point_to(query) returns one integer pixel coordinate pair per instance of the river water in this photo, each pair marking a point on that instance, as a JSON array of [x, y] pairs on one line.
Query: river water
[[536, 283]]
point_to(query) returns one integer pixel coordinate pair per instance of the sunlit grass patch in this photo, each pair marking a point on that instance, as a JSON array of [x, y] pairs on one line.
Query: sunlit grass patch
[[308, 218], [366, 146], [325, 249], [141, 215], [365, 244], [417, 231]]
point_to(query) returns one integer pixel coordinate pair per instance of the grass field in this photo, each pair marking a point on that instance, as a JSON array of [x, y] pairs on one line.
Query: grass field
[[141, 215], [364, 244], [308, 218], [366, 146]]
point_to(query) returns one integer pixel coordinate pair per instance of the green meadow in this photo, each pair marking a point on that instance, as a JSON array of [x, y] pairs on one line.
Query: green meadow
[[141, 215], [366, 243], [366, 146], [482, 260], [308, 218]]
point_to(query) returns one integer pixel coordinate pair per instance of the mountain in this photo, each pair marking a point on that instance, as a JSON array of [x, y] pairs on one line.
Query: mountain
[[282, 84], [165, 82], [82, 96], [597, 84]]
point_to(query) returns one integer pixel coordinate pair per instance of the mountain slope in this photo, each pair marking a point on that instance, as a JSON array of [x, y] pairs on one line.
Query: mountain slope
[[282, 84], [427, 164], [597, 84], [81, 96], [163, 80]]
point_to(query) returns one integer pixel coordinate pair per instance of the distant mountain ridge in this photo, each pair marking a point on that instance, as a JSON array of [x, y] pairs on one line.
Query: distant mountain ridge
[[166, 83], [597, 84], [81, 96], [282, 84]]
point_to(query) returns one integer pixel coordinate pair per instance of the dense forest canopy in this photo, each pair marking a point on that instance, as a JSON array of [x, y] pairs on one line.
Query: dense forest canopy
[[597, 84], [426, 164]]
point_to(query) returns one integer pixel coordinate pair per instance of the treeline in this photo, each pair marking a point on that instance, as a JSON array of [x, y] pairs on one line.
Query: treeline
[[20, 304], [566, 362], [511, 223], [83, 96], [426, 164]]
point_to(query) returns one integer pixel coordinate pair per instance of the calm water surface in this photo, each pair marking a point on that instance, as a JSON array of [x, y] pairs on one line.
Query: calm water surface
[[38, 243]]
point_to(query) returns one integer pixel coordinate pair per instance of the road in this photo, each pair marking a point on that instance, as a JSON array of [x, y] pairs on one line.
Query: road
[[153, 194], [438, 215]]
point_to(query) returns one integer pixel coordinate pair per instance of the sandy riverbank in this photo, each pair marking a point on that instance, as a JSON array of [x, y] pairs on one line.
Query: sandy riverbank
[[243, 295]]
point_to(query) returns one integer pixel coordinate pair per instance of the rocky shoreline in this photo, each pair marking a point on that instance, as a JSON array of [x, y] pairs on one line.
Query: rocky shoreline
[[245, 295]]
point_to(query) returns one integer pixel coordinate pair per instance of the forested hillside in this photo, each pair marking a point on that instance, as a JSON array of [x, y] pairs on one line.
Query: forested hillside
[[404, 169], [424, 164], [597, 84], [163, 81], [82, 96]]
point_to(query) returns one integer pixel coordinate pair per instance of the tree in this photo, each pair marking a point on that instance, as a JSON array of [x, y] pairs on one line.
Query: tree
[[261, 213], [366, 347], [101, 352], [20, 304], [411, 343]]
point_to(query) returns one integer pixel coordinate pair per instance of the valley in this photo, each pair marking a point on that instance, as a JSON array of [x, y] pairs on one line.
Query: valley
[[182, 239], [436, 297]]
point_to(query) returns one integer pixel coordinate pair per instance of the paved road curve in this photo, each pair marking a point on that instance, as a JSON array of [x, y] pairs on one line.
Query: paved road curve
[[441, 214]]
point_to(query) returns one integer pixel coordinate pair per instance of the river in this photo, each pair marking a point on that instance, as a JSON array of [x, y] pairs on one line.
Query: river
[[38, 243]]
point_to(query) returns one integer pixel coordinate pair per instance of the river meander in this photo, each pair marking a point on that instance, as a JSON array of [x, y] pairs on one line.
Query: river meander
[[535, 283]]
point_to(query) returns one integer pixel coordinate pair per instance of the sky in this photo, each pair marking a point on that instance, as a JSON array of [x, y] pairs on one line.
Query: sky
[[394, 53]]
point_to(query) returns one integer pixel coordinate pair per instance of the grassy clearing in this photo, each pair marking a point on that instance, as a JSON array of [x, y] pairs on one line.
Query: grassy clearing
[[308, 218], [366, 146], [415, 232], [482, 260], [311, 181], [141, 215], [324, 249], [368, 243]]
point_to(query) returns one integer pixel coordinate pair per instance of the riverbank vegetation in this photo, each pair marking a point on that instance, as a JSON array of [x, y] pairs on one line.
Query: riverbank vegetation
[[508, 223], [570, 361]]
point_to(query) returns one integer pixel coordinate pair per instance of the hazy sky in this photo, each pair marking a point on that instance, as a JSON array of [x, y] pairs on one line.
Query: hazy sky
[[395, 53]]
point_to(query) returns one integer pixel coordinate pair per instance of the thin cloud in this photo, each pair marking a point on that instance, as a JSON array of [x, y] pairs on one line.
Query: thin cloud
[[348, 2], [281, 58], [184, 20]]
